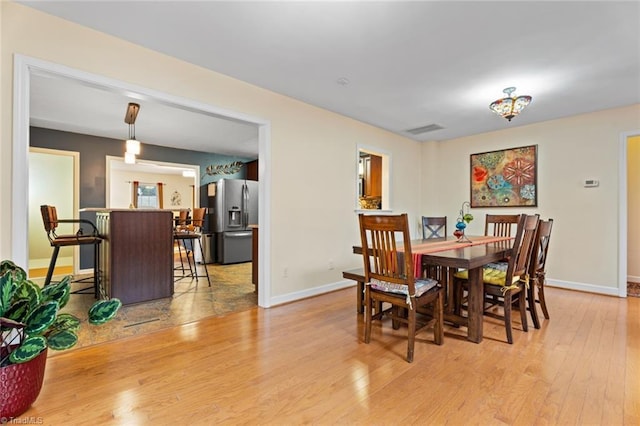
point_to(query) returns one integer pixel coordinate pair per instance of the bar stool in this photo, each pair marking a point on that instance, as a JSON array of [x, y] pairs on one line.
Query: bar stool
[[186, 236], [81, 237]]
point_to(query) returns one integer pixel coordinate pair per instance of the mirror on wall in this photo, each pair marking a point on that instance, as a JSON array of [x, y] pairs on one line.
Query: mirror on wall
[[373, 180]]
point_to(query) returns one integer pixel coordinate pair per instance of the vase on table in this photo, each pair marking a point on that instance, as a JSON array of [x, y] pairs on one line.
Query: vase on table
[[464, 218]]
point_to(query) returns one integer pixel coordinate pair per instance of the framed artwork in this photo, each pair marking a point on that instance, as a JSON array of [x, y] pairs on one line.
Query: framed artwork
[[505, 178]]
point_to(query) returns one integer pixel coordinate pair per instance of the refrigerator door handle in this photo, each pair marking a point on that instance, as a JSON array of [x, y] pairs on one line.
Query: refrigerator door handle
[[237, 235], [245, 205]]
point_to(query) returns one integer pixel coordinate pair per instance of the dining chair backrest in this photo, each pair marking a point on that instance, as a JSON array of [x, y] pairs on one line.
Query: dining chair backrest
[[538, 262], [527, 227], [51, 222], [183, 216], [49, 219], [434, 227], [198, 217], [386, 248], [500, 225]]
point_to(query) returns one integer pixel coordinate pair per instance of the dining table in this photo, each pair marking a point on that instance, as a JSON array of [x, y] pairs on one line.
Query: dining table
[[472, 254]]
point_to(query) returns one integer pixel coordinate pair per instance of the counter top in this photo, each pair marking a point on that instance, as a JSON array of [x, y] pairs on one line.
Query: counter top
[[105, 209]]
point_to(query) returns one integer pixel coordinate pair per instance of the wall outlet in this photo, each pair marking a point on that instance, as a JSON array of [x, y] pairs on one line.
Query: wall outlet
[[285, 272], [330, 265]]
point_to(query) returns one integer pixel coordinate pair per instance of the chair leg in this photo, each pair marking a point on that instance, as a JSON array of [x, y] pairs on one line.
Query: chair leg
[[396, 313], [189, 255], [523, 310], [367, 314], [411, 332], [531, 303], [507, 315], [360, 297], [52, 265], [180, 254], [438, 327], [206, 271], [543, 303]]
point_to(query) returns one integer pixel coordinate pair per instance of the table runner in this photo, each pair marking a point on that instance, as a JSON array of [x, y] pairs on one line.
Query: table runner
[[432, 247]]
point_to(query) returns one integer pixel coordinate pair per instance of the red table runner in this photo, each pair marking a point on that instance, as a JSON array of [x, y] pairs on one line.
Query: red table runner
[[432, 247]]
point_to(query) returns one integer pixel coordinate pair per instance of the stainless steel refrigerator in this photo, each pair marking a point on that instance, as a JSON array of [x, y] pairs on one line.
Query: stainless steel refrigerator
[[235, 208]]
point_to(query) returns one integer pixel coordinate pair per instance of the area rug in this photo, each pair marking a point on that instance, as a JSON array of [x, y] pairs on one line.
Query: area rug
[[231, 291], [633, 289]]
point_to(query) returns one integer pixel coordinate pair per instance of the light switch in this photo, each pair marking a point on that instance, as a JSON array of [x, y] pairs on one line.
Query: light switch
[[591, 183]]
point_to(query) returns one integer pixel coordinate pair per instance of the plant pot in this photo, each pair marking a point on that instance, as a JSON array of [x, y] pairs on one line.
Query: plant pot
[[20, 385]]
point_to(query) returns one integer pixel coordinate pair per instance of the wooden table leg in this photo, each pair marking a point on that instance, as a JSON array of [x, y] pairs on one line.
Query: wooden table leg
[[475, 305]]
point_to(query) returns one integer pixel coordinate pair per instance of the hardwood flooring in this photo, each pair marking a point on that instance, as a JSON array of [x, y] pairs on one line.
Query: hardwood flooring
[[305, 363]]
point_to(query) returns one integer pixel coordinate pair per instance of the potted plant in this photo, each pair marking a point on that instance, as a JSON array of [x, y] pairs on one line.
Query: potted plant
[[30, 323]]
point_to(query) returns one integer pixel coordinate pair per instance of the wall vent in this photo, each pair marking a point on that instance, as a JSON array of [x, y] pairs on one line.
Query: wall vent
[[424, 129]]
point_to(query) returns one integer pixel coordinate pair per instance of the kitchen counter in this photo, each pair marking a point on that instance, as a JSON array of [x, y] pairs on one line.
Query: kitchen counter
[[136, 259]]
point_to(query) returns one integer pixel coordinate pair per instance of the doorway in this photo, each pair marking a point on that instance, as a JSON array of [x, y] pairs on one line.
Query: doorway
[[633, 211], [25, 67], [53, 180]]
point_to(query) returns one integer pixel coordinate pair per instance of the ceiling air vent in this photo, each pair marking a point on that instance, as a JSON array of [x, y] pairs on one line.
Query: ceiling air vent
[[424, 129]]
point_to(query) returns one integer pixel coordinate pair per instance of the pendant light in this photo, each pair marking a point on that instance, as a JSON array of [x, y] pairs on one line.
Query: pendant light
[[132, 145]]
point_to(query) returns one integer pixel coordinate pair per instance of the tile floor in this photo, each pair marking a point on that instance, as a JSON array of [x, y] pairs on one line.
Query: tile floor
[[231, 291]]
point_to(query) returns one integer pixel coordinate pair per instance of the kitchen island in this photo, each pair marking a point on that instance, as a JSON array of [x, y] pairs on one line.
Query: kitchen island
[[136, 258]]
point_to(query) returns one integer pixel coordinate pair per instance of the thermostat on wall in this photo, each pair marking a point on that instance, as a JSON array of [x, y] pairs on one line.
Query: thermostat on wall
[[591, 183]]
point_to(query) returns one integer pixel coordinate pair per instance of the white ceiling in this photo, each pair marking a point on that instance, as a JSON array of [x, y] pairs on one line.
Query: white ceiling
[[409, 64], [64, 104]]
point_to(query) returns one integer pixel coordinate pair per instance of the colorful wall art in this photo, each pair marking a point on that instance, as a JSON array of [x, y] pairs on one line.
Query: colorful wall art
[[505, 178]]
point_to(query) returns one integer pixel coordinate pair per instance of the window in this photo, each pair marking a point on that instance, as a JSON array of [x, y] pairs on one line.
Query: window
[[147, 196]]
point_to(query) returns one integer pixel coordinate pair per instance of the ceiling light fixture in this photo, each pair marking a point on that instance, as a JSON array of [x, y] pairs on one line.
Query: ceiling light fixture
[[129, 158], [510, 106], [132, 145]]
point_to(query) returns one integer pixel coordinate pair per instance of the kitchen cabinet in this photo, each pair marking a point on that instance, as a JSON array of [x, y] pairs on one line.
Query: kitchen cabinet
[[252, 170], [372, 176]]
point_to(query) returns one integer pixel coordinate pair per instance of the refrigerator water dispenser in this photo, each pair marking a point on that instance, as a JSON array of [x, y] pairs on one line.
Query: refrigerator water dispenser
[[235, 217]]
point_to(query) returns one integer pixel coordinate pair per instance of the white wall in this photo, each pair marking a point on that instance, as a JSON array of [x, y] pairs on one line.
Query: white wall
[[584, 244], [120, 188]]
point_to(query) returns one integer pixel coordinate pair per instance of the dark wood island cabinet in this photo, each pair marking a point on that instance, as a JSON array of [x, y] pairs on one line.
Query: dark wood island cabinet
[[136, 257]]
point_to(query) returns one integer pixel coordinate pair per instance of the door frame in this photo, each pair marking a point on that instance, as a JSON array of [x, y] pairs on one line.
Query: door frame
[[622, 213], [25, 66]]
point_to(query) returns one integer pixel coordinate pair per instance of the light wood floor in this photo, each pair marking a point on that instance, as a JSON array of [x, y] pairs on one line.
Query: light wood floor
[[305, 363]]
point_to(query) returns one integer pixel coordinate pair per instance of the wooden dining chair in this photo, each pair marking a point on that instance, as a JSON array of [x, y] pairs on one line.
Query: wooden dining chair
[[87, 234], [537, 271], [501, 225], [506, 282], [388, 267], [434, 227]]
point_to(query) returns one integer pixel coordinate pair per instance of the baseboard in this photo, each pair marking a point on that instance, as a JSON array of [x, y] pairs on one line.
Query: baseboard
[[316, 291], [44, 263], [589, 288], [632, 279]]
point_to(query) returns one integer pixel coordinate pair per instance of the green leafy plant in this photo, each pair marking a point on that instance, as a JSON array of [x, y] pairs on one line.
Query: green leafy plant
[[30, 317]]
